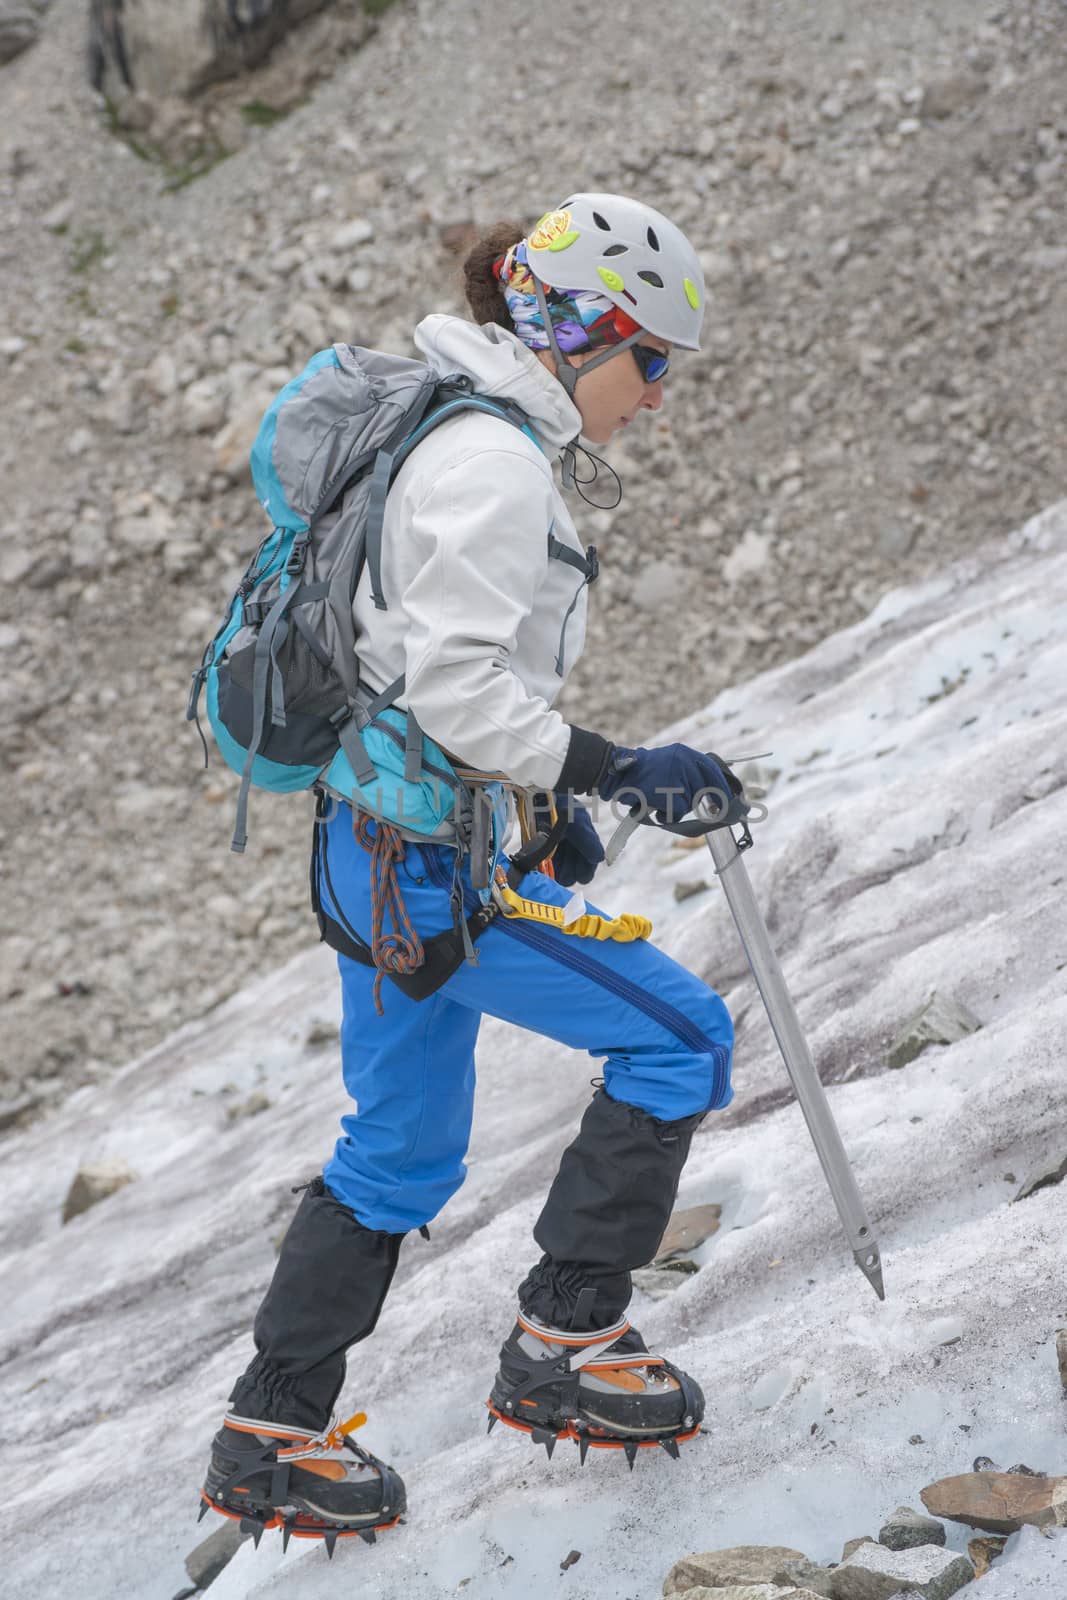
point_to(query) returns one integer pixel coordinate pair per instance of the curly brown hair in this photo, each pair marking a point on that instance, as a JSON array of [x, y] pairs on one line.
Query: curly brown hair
[[484, 294]]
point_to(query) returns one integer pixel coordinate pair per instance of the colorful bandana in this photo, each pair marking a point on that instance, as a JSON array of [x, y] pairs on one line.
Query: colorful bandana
[[582, 319]]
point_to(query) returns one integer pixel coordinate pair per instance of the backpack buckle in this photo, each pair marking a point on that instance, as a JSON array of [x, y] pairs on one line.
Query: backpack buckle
[[294, 566]]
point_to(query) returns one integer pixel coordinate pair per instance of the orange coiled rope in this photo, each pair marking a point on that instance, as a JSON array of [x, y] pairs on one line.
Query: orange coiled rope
[[401, 950]]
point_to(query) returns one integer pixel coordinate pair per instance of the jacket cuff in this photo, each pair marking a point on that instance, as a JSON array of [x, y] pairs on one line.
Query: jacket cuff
[[587, 756]]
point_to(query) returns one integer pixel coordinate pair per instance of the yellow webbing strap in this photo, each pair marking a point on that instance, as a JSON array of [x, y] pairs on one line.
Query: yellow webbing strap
[[625, 928]]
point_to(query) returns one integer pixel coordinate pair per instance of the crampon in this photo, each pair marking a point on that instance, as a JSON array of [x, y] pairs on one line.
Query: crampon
[[310, 1485], [603, 1389]]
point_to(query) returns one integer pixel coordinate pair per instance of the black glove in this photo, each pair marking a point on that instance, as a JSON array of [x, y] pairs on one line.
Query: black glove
[[578, 851], [669, 779]]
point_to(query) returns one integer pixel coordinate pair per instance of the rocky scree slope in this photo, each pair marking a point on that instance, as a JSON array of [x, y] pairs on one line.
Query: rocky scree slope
[[878, 195]]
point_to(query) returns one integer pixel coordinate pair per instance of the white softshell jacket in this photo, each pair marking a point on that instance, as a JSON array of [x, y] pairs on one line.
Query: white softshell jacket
[[475, 604]]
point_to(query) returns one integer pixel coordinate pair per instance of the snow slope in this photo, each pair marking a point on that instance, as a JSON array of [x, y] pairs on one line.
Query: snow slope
[[915, 840]]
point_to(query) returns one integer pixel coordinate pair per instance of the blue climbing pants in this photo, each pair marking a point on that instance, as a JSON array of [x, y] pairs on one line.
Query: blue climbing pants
[[665, 1039]]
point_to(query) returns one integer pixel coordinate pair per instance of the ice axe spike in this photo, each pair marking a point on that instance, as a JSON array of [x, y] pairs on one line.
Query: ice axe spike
[[781, 1012]]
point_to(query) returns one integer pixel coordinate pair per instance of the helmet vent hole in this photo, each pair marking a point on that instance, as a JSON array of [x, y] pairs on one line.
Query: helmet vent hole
[[653, 241], [616, 250], [651, 277], [599, 220]]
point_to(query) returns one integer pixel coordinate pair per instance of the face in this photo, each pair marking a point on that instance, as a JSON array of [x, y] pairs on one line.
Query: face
[[610, 396]]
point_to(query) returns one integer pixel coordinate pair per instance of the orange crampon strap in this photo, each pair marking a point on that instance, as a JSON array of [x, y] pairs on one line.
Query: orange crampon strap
[[625, 928], [331, 1439]]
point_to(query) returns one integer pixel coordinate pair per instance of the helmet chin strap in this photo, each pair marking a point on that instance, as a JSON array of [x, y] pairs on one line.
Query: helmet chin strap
[[568, 374]]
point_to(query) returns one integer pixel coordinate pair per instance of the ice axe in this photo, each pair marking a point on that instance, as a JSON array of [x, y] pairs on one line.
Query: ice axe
[[727, 855]]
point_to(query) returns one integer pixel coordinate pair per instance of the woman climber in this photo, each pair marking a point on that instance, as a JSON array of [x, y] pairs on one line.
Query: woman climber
[[476, 605]]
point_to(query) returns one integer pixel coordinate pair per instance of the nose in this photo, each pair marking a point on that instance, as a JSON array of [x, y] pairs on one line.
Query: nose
[[652, 398]]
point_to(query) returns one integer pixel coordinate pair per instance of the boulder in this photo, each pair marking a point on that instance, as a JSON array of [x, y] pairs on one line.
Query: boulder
[[689, 1228], [1042, 1177], [19, 28], [945, 96], [216, 1552], [738, 1565], [95, 1182], [907, 1528], [750, 1591], [874, 1573], [983, 1552], [941, 1021], [177, 47], [663, 1277], [999, 1502]]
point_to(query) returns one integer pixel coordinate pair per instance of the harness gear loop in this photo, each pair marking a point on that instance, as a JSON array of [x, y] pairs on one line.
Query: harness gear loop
[[624, 929], [401, 950]]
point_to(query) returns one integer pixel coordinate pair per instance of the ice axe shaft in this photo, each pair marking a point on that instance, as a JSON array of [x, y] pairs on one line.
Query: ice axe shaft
[[730, 870]]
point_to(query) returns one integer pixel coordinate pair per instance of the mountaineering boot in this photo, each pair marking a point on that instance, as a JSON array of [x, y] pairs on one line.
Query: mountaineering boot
[[310, 1485], [279, 1459], [603, 1388], [572, 1365]]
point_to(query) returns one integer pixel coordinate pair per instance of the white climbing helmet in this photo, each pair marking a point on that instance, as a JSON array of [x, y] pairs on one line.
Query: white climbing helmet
[[629, 253]]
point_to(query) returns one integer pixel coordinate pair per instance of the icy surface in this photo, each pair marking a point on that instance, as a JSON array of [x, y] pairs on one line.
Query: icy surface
[[915, 841]]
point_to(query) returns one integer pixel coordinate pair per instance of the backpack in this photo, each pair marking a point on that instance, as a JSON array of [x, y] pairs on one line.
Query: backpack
[[282, 674]]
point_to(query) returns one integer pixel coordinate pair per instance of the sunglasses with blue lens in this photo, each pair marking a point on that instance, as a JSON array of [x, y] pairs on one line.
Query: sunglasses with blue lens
[[652, 364]]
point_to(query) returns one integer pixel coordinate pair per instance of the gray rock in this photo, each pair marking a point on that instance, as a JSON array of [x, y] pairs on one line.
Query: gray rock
[[659, 583], [688, 1228], [740, 1564], [95, 1182], [352, 234], [1042, 1177], [907, 1528], [945, 96], [251, 1107], [661, 1279], [806, 1576], [88, 545], [204, 405], [874, 1573], [215, 1553], [685, 890], [19, 28], [750, 1591], [854, 1544], [942, 1020]]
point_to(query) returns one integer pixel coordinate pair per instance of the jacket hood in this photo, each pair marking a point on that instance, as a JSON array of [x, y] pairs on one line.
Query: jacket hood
[[501, 365]]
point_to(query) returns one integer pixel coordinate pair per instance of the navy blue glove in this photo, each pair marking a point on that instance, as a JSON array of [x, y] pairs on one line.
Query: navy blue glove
[[668, 779], [580, 851]]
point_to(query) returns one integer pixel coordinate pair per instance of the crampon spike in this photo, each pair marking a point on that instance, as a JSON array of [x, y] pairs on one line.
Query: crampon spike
[[329, 1540], [631, 1454], [550, 1445], [204, 1509], [257, 1534], [369, 1536], [287, 1534], [583, 1450], [671, 1447], [493, 1420]]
